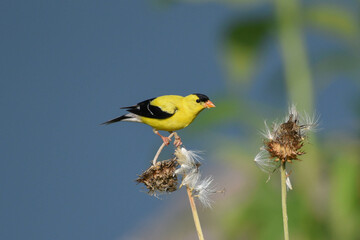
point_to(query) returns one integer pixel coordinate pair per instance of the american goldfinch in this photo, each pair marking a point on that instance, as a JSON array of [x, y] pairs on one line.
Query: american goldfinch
[[167, 113]]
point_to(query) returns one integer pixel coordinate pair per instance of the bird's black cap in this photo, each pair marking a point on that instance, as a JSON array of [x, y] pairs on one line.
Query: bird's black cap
[[202, 97]]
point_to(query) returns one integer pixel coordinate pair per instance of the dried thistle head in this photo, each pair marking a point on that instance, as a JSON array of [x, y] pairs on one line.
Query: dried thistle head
[[160, 178], [287, 141], [284, 141]]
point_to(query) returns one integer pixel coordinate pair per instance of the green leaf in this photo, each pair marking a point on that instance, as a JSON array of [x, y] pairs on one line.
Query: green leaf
[[241, 44]]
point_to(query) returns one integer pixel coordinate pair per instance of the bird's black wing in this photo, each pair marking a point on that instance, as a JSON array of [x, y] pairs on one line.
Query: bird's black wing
[[145, 109]]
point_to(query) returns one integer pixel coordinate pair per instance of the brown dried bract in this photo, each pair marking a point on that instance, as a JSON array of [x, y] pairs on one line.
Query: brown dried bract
[[160, 178], [287, 141]]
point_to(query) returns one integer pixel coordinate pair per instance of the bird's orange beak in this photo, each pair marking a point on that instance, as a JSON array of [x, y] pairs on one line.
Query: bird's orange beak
[[209, 104]]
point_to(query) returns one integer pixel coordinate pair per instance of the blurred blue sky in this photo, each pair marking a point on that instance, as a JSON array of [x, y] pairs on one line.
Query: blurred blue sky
[[67, 66]]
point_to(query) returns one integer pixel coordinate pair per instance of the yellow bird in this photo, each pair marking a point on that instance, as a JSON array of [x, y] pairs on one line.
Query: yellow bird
[[167, 113]]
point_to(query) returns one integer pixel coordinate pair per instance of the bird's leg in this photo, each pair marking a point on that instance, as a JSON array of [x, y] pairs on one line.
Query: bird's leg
[[166, 140], [177, 141]]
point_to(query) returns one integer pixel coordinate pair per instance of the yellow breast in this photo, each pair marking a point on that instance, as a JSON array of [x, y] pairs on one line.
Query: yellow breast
[[179, 120]]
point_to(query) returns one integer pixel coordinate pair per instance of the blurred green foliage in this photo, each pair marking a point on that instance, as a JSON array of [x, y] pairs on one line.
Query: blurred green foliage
[[325, 201], [241, 47]]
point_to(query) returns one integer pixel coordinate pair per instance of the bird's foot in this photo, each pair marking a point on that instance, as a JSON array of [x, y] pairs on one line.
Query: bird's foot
[[177, 141], [166, 140]]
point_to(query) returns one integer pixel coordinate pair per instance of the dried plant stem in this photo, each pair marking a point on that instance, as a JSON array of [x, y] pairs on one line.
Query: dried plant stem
[[161, 148], [195, 214], [283, 200], [193, 207], [189, 192]]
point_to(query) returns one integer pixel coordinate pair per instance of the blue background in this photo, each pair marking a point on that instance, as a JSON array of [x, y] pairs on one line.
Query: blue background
[[67, 66]]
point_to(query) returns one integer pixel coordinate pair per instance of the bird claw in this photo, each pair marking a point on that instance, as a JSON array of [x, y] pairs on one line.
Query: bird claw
[[166, 140], [177, 142]]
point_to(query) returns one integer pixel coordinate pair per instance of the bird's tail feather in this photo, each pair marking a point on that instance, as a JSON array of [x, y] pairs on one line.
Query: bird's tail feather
[[130, 117], [118, 119]]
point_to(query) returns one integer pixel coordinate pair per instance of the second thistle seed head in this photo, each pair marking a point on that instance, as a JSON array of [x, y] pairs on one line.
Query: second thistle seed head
[[283, 142], [287, 141]]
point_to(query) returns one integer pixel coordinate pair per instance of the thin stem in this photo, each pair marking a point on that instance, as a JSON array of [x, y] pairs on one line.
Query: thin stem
[[195, 214], [192, 203], [298, 79], [161, 148], [283, 201], [189, 192]]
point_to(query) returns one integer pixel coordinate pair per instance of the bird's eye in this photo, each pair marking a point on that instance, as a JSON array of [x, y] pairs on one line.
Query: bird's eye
[[197, 100]]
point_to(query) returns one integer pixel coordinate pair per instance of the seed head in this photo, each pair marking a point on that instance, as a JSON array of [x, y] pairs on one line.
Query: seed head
[[284, 141], [287, 141], [160, 178]]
